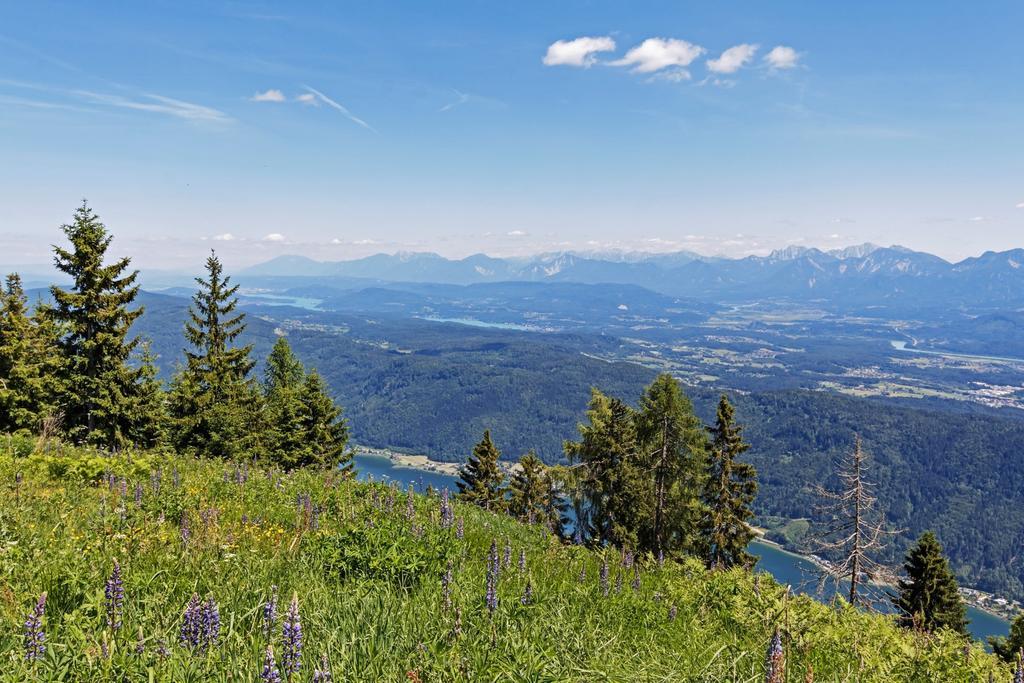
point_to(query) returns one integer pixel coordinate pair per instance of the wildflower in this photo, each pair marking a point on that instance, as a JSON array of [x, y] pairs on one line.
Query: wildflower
[[493, 567], [113, 593], [527, 594], [191, 632], [155, 479], [124, 488], [35, 636], [270, 612], [161, 649], [410, 509], [211, 623], [604, 577], [774, 659], [140, 643], [186, 533], [176, 478], [322, 673], [270, 673], [391, 497], [672, 612], [522, 560], [460, 531], [636, 578], [457, 623], [291, 639], [1018, 672], [138, 495], [104, 647], [507, 559], [447, 514]]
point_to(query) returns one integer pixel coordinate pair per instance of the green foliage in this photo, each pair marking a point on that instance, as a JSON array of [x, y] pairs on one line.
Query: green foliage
[[213, 404], [534, 495], [480, 479], [729, 494], [1008, 649], [928, 598], [377, 620], [100, 384]]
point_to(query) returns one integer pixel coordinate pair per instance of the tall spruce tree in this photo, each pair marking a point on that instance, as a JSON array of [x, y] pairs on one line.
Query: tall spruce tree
[[325, 428], [673, 444], [480, 479], [213, 401], [928, 598], [29, 362], [101, 384], [283, 371], [528, 489], [612, 477], [1010, 647], [730, 490]]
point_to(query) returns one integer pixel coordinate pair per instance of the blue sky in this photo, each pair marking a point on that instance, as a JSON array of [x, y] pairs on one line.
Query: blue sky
[[337, 130]]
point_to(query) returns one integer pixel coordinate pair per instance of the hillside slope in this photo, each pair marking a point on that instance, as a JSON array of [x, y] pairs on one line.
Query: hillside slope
[[381, 590]]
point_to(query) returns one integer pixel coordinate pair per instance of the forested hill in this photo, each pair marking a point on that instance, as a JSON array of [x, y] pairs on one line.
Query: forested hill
[[432, 388]]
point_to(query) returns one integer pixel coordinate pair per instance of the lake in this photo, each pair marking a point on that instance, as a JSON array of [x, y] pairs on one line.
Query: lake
[[786, 567]]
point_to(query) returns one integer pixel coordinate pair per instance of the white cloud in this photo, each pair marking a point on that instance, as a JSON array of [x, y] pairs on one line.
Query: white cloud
[[271, 95], [655, 54], [338, 106], [676, 75], [308, 98], [978, 219], [1020, 205], [517, 233], [782, 57], [158, 104], [733, 59], [274, 237], [224, 237], [580, 52]]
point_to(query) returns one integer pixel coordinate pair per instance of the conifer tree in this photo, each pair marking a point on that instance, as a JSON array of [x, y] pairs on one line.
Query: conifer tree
[[150, 399], [213, 401], [730, 490], [480, 479], [101, 384], [528, 489], [674, 451], [283, 371], [29, 362], [928, 598], [613, 479], [325, 429]]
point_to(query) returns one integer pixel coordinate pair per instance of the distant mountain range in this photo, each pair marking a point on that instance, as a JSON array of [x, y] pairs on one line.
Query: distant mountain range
[[862, 275]]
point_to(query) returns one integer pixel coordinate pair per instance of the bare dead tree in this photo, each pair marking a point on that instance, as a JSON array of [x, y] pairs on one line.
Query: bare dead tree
[[852, 528]]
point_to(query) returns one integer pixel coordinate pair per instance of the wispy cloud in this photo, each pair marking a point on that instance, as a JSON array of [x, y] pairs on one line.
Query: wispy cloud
[[307, 98], [339, 107], [274, 237], [733, 59], [271, 95], [158, 104], [223, 237], [581, 52], [782, 57], [1020, 205], [461, 99], [655, 54]]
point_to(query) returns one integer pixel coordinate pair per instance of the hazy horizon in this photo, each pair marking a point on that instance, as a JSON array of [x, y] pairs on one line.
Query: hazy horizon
[[337, 133]]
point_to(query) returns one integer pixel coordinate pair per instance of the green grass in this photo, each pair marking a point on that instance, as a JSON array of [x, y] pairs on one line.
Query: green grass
[[371, 597]]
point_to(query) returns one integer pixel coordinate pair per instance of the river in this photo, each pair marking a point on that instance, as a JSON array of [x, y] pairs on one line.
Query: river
[[786, 567]]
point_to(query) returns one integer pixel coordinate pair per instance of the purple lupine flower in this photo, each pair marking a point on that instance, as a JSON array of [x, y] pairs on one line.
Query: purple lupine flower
[[270, 612], [506, 561], [113, 593], [410, 509], [211, 623], [447, 513], [191, 633], [460, 529], [322, 673], [774, 660], [124, 487], [104, 648], [527, 594], [35, 636], [493, 568], [391, 497], [291, 639], [140, 643], [446, 587], [1018, 672], [162, 650], [627, 559], [618, 581], [636, 578], [270, 674], [176, 477], [605, 588], [522, 560], [138, 495], [186, 533], [672, 612]]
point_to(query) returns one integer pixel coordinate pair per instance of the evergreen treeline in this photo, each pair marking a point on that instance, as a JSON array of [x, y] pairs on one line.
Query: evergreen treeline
[[74, 370]]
